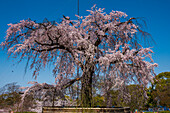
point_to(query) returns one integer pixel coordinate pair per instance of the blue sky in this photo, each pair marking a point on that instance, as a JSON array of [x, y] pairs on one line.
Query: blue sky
[[155, 12]]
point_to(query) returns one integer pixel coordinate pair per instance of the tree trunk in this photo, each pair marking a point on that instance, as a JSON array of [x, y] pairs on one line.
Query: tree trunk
[[54, 94], [86, 84]]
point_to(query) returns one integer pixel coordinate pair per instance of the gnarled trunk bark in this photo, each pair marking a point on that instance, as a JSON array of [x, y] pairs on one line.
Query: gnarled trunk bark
[[86, 84]]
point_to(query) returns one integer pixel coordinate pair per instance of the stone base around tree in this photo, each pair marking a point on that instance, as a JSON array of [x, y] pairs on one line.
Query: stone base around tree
[[47, 109]]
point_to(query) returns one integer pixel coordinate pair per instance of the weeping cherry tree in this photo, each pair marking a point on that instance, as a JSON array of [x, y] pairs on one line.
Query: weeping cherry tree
[[99, 45]]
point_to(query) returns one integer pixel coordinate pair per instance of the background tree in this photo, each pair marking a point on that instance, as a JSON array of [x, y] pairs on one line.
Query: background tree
[[100, 44], [40, 95], [151, 102], [137, 98], [162, 89], [10, 97], [134, 93], [159, 93]]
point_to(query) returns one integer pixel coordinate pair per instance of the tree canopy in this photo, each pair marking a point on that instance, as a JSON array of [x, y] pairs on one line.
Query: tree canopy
[[162, 89], [9, 96], [98, 45]]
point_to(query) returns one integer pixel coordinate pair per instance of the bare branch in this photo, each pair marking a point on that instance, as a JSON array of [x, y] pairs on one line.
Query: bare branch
[[68, 84]]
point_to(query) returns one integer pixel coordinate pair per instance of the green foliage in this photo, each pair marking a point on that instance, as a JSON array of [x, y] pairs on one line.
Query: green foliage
[[98, 100], [11, 99], [151, 102], [136, 98], [68, 97], [159, 92], [9, 96], [115, 99]]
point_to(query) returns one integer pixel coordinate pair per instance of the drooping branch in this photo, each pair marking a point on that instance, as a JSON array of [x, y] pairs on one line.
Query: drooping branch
[[68, 84], [48, 49], [46, 44], [57, 46], [128, 22], [68, 18]]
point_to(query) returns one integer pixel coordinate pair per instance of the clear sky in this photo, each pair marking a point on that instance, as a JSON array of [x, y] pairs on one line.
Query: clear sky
[[155, 12]]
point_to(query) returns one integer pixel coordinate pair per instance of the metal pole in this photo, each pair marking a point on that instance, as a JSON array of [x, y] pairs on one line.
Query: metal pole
[[78, 57], [78, 8]]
